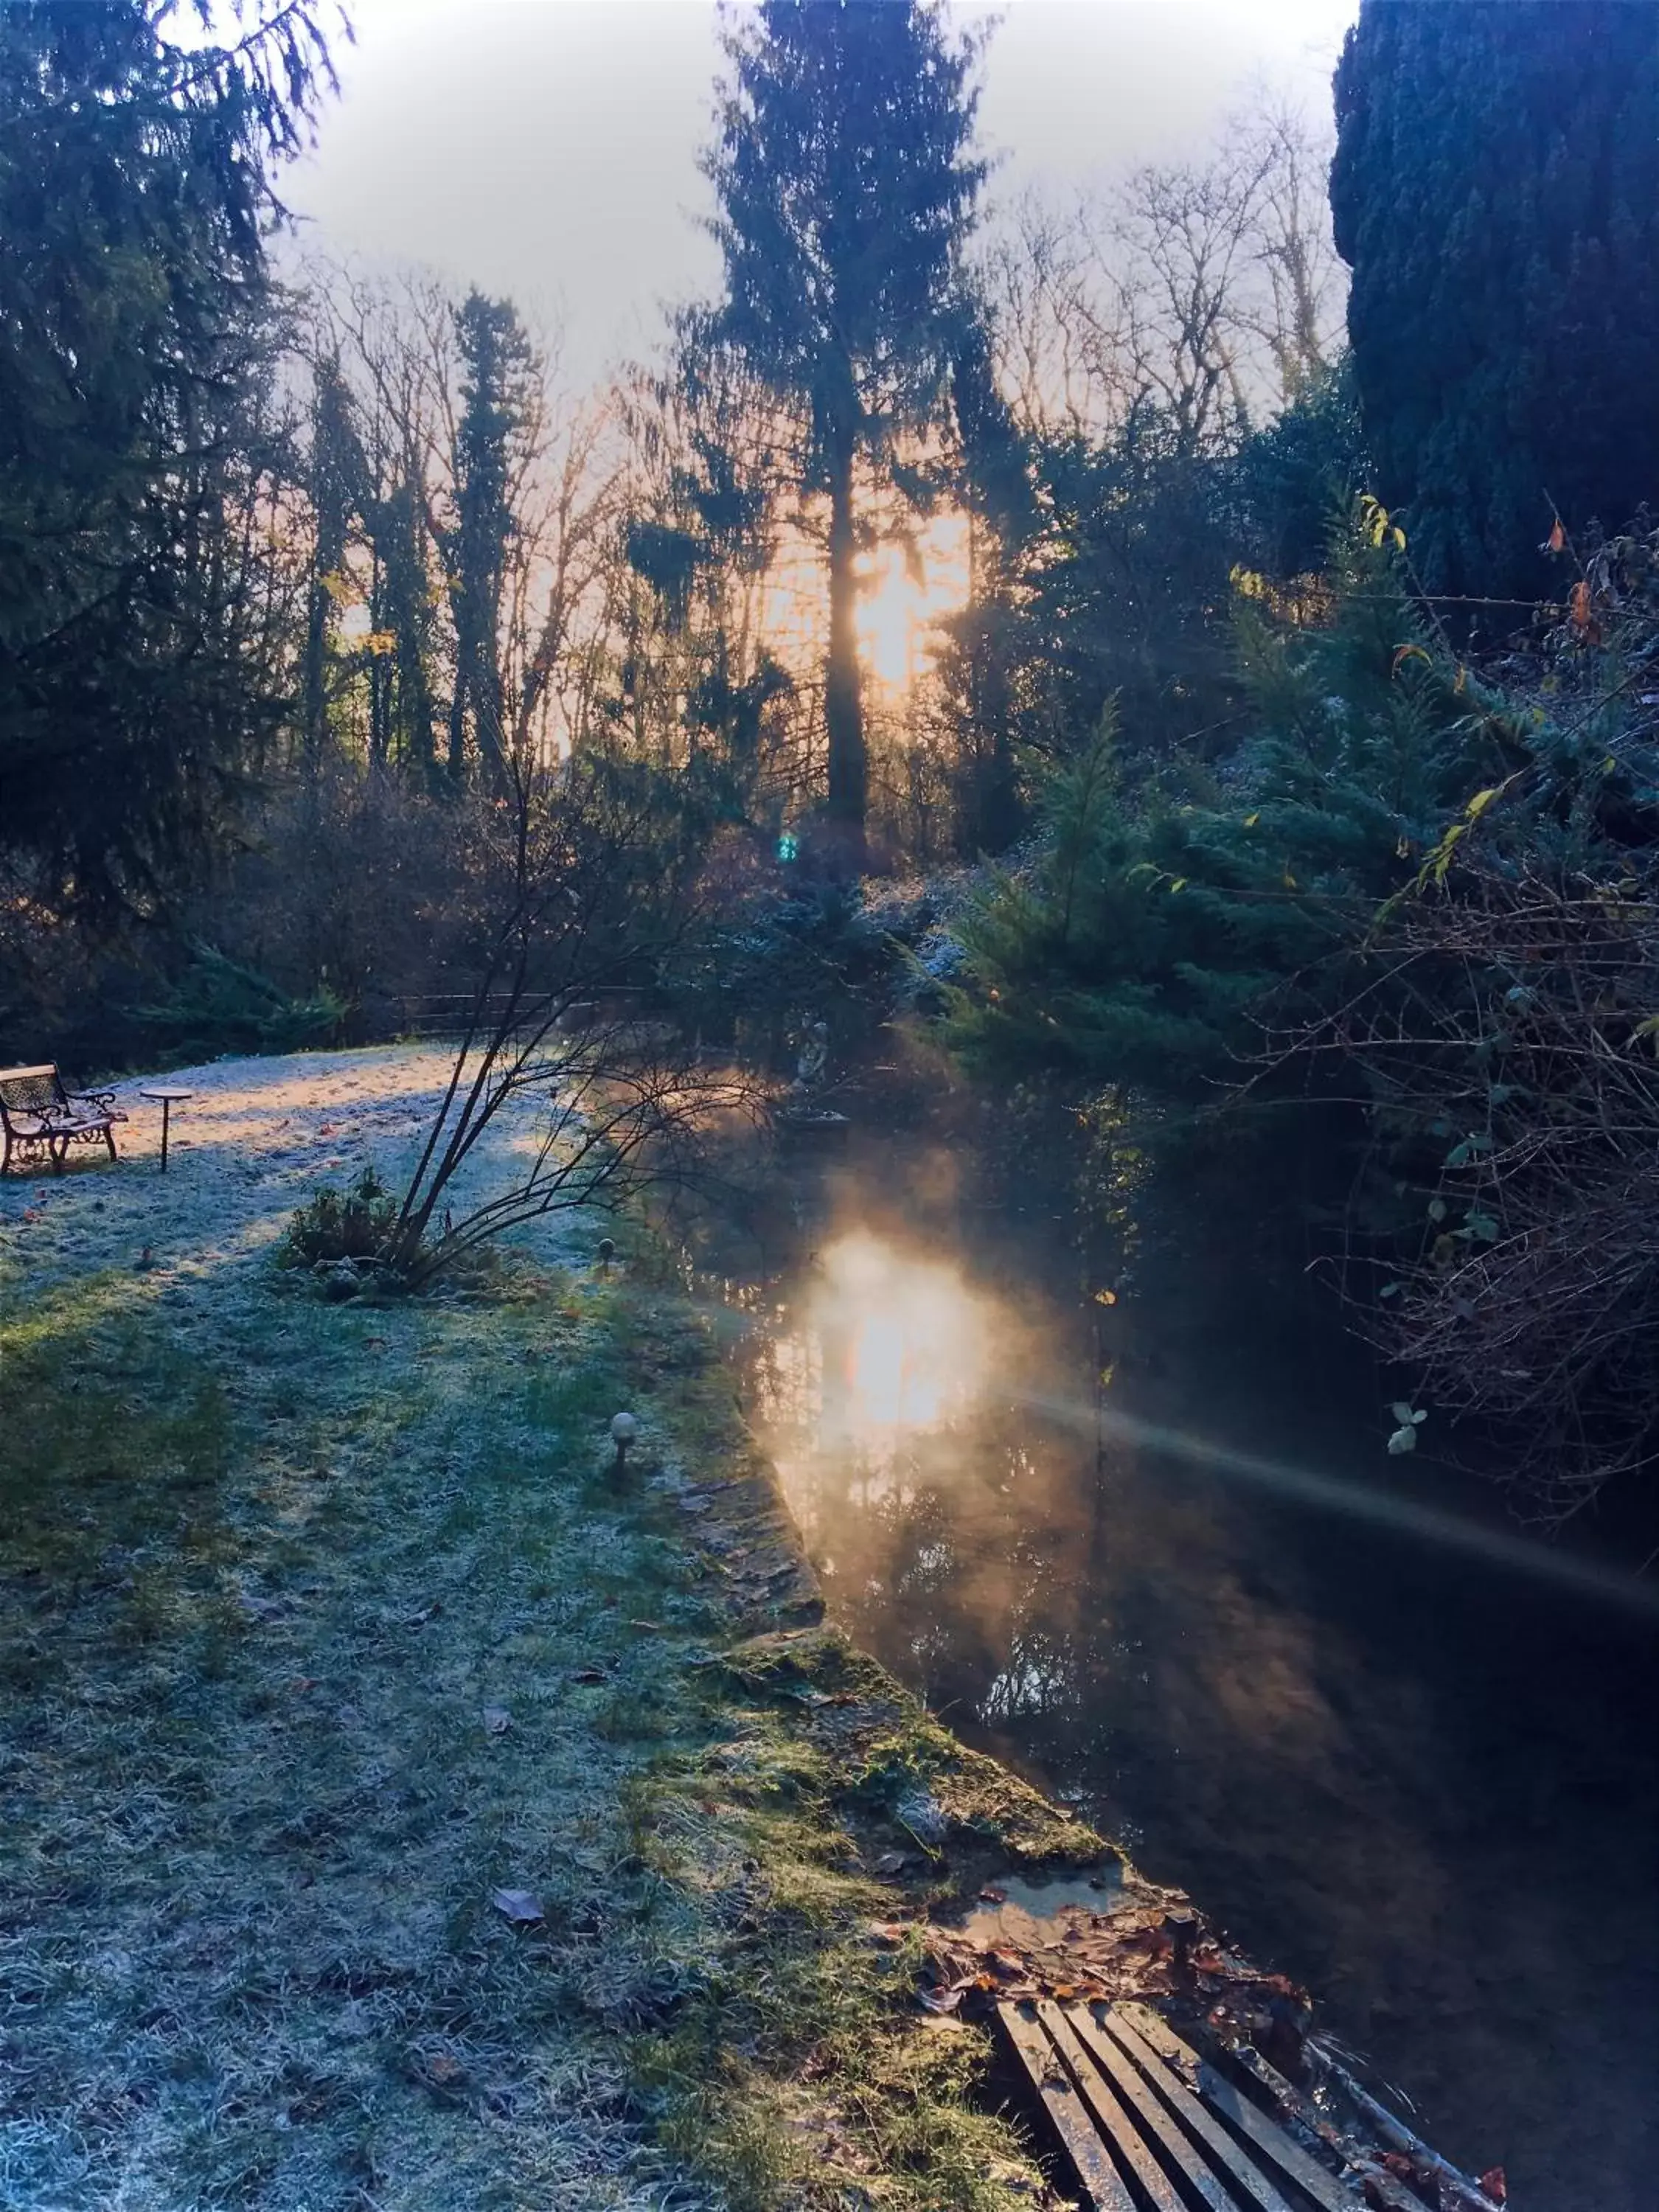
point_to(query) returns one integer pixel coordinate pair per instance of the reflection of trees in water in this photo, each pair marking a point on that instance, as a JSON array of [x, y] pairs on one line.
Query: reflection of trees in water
[[1041, 1675], [965, 1560]]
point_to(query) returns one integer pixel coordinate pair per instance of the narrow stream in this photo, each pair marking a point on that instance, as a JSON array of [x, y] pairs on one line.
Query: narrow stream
[[1411, 1760]]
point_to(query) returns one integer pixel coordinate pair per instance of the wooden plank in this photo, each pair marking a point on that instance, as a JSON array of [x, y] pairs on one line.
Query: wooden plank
[[1394, 2132], [1184, 2101], [1393, 2196], [1109, 2108], [1162, 2102], [1102, 2184], [1266, 2136]]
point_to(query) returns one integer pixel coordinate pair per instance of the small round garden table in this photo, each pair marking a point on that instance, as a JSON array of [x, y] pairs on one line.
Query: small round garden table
[[165, 1094]]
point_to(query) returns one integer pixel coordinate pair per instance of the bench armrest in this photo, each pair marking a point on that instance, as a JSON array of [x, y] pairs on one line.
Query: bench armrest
[[103, 1100]]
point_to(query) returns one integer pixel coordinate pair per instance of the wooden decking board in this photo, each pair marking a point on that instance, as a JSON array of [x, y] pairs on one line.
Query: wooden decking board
[[1177, 2080], [1266, 2136], [1115, 2042], [1141, 2116], [1117, 2121], [1102, 2182], [1380, 2186]]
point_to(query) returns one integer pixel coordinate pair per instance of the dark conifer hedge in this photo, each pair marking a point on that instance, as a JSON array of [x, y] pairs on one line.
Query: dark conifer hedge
[[1496, 193]]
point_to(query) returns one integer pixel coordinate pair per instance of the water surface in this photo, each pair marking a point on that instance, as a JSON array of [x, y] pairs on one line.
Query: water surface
[[1414, 1773]]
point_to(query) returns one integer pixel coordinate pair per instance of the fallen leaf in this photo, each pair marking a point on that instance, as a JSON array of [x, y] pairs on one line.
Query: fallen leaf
[[521, 1906], [893, 1861], [989, 1896], [589, 1674], [653, 1626], [1492, 2184], [443, 2069], [497, 1720]]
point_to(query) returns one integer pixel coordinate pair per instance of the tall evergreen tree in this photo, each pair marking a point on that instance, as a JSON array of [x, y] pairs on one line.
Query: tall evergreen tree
[[137, 333], [338, 485], [499, 366], [397, 526], [847, 192], [1496, 193]]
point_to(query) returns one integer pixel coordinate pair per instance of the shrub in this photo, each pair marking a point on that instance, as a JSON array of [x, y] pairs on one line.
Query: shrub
[[341, 1228]]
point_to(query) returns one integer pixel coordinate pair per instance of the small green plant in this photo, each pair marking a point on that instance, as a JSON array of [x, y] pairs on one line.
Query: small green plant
[[341, 1227]]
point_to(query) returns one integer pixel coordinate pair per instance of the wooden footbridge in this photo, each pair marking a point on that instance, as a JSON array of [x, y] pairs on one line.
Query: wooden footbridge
[[1147, 2124]]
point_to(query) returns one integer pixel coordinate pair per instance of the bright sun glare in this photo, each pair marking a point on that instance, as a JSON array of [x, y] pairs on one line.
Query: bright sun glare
[[903, 1342], [902, 601]]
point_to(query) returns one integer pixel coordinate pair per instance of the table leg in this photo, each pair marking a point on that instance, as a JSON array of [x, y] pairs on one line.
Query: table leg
[[167, 1109]]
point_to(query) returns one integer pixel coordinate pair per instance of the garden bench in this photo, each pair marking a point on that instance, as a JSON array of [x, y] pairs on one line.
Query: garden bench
[[38, 1115]]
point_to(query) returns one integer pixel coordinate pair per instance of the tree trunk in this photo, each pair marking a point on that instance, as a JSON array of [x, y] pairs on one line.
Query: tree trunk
[[314, 708], [487, 716], [457, 721], [843, 708], [379, 670]]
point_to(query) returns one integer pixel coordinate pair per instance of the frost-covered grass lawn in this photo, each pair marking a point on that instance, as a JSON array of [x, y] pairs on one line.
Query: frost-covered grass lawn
[[324, 1633]]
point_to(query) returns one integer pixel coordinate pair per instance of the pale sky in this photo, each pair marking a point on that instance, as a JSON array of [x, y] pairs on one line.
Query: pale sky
[[547, 149]]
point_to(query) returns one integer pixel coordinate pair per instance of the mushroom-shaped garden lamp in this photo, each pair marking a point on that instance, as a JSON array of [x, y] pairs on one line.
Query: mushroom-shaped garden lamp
[[624, 1430]]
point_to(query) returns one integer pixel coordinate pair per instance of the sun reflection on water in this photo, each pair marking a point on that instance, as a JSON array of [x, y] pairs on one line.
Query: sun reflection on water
[[885, 1348]]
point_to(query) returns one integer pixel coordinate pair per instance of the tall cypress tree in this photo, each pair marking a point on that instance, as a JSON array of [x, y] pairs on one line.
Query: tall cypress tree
[[338, 486], [1496, 193], [500, 363], [137, 329], [847, 192]]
